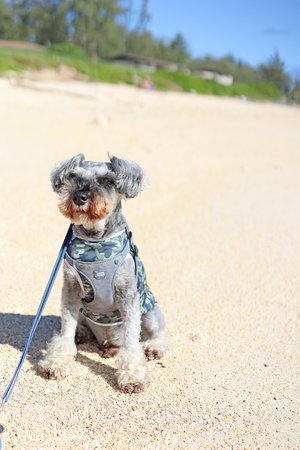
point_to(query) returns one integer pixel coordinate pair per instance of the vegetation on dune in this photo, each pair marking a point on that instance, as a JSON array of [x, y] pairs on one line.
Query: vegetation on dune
[[87, 35], [71, 56], [190, 83]]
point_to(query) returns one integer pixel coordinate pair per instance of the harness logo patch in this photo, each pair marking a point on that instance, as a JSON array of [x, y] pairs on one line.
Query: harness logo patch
[[99, 275]]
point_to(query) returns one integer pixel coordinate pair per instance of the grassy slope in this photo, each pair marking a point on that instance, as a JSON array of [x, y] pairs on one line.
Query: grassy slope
[[18, 60]]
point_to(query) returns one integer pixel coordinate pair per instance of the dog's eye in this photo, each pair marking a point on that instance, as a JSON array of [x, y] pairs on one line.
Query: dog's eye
[[105, 181], [72, 175]]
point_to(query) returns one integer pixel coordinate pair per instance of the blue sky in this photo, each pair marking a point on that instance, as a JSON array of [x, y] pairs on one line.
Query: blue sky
[[250, 30]]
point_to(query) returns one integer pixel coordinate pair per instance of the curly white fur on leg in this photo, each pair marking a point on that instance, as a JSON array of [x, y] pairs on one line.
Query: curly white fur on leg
[[154, 340], [132, 373], [155, 348], [59, 358], [61, 351]]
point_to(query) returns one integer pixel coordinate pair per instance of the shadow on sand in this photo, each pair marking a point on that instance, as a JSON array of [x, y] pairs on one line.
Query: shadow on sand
[[14, 330]]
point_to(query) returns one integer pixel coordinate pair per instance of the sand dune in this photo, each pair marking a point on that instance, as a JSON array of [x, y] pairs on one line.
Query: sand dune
[[218, 230]]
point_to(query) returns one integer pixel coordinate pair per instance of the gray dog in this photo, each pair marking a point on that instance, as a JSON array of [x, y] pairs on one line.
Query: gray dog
[[105, 292]]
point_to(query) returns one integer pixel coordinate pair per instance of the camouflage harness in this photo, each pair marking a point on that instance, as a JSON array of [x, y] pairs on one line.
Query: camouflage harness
[[95, 265]]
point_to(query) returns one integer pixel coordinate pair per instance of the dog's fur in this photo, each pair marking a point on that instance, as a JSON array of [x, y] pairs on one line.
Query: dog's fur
[[99, 217]]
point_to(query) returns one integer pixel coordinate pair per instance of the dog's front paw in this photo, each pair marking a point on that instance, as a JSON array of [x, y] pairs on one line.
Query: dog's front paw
[[134, 381], [133, 388], [155, 348], [152, 353], [132, 373], [59, 358], [55, 368]]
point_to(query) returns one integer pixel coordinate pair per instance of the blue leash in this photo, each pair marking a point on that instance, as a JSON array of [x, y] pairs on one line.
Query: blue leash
[[8, 391]]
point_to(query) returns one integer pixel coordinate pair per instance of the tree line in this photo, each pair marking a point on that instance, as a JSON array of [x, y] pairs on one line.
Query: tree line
[[103, 28], [108, 28]]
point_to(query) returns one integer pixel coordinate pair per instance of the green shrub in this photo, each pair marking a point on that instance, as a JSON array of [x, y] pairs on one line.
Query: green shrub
[[68, 49], [7, 63]]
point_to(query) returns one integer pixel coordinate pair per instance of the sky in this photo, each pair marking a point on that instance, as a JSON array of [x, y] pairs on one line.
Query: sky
[[250, 30]]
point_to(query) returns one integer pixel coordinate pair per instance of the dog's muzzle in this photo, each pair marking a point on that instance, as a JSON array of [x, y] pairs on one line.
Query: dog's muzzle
[[80, 198]]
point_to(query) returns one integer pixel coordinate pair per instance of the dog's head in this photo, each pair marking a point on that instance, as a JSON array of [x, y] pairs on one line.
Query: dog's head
[[89, 191]]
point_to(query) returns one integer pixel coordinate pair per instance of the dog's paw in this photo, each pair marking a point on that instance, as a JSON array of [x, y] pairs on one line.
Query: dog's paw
[[132, 373], [108, 352], [108, 349], [155, 348], [55, 369], [130, 385], [133, 388], [152, 353]]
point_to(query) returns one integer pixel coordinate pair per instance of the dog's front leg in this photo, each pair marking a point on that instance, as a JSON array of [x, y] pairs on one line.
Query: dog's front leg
[[132, 372], [61, 351]]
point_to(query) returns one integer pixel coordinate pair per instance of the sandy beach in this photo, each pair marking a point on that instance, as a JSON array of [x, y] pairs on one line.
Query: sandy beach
[[218, 231]]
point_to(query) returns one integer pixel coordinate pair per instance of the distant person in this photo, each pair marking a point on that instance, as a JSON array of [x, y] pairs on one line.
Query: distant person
[[148, 84]]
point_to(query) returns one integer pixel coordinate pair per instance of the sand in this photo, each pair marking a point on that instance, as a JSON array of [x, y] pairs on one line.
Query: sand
[[218, 230]]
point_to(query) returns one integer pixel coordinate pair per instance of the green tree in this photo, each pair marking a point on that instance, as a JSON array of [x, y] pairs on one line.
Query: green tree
[[273, 71], [95, 26], [21, 11], [179, 48], [143, 17], [48, 20], [141, 43], [6, 22]]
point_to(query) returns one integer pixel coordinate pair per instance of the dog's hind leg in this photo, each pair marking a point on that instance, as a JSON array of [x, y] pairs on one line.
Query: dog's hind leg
[[109, 338], [153, 335], [83, 334]]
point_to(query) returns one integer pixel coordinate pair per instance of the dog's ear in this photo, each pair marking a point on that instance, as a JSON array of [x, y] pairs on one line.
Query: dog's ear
[[130, 179], [62, 168]]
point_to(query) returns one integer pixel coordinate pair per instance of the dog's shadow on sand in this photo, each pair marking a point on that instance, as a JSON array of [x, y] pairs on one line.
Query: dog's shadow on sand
[[14, 331]]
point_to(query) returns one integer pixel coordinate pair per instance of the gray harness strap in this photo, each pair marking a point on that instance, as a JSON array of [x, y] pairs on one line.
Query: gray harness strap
[[100, 275]]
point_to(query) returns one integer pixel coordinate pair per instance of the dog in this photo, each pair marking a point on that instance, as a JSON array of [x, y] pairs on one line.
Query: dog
[[105, 294]]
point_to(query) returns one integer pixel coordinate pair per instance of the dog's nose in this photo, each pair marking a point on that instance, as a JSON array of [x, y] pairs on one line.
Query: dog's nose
[[80, 198]]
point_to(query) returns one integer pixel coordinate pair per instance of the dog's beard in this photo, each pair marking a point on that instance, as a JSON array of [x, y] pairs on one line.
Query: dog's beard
[[97, 208]]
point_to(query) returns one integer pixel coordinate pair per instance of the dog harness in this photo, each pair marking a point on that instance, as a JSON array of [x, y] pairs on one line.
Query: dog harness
[[95, 265]]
